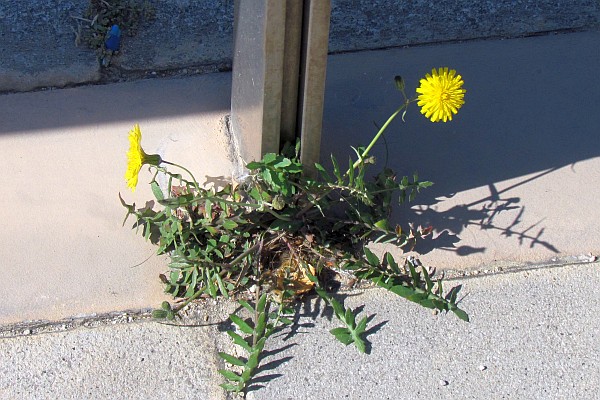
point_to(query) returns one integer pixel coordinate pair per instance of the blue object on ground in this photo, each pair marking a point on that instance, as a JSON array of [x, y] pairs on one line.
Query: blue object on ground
[[113, 39]]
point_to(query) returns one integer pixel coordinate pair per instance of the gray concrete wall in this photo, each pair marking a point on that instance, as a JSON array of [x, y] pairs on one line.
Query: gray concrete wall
[[38, 39]]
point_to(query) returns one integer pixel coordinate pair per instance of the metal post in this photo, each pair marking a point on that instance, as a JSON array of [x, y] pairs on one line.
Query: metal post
[[279, 65]]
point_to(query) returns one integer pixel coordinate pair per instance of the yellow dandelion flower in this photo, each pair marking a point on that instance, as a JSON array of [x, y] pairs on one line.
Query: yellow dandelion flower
[[441, 94], [136, 157]]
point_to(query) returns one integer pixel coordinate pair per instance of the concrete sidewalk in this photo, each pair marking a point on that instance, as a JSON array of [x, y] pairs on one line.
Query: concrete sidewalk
[[515, 173], [516, 179], [533, 335]]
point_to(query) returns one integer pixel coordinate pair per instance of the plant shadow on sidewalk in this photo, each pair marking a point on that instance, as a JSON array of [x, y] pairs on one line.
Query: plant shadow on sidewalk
[[307, 309], [481, 213]]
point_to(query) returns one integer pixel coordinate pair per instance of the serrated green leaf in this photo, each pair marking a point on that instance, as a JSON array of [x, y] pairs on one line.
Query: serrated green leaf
[[231, 359], [246, 375], [360, 344], [351, 172], [225, 239], [237, 339], [157, 191], [417, 297], [243, 325], [401, 290], [338, 308], [165, 306], [412, 195], [349, 318], [416, 279], [361, 326], [452, 294], [440, 289], [343, 335], [427, 303], [260, 344], [232, 376], [147, 230], [440, 304]]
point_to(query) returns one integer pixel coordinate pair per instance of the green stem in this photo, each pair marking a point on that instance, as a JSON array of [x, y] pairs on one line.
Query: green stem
[[186, 170], [378, 135], [189, 300]]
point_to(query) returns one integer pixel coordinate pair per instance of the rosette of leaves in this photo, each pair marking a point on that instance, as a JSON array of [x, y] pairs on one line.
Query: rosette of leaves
[[223, 240]]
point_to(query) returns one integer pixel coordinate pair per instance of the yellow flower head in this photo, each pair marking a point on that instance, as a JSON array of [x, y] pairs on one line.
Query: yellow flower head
[[441, 94], [136, 157]]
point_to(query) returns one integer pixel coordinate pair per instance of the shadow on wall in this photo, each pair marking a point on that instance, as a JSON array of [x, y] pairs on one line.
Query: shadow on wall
[[531, 108], [84, 106]]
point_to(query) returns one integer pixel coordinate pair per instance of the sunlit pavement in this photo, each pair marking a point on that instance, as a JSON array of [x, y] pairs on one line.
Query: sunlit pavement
[[516, 177]]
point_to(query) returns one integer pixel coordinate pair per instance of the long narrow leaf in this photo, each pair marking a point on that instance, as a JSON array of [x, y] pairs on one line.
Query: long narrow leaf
[[231, 359], [262, 301], [392, 263], [246, 305], [237, 339], [221, 285], [243, 325], [232, 376], [372, 259], [261, 323]]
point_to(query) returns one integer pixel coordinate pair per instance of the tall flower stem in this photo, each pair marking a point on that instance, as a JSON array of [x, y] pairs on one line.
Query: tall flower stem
[[378, 135], [185, 169]]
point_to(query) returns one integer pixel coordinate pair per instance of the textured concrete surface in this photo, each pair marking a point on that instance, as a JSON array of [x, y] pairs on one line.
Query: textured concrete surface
[[39, 36], [515, 173], [134, 361], [38, 45], [63, 250], [532, 335], [515, 177]]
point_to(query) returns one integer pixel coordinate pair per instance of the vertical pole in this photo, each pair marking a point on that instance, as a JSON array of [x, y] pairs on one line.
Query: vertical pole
[[279, 68], [291, 65], [312, 89], [257, 76]]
